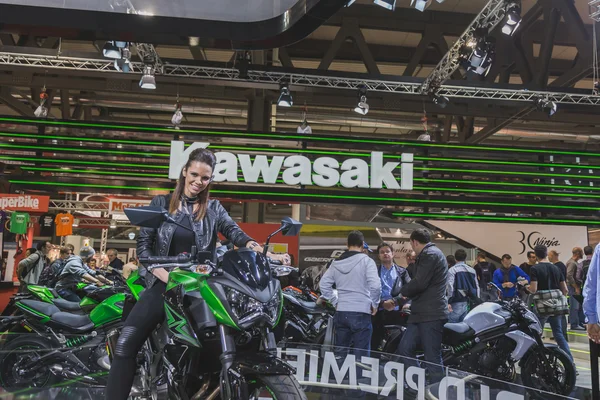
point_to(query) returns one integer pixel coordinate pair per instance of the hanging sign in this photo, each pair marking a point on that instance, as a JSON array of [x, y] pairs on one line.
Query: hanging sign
[[24, 202]]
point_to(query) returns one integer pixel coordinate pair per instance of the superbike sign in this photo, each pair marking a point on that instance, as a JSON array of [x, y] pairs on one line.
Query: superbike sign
[[24, 202], [300, 170]]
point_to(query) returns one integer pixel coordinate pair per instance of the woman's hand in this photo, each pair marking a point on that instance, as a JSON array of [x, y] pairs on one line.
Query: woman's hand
[[253, 245], [284, 258], [161, 274]]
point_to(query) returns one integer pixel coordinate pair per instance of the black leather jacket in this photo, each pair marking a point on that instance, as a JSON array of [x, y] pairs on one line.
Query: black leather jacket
[[157, 242]]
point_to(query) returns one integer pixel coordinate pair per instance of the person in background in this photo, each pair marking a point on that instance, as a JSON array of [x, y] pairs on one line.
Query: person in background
[[392, 279], [531, 261], [462, 285], [71, 248], [507, 276], [92, 264], [591, 297], [410, 263], [114, 261], [547, 276], [355, 276], [553, 257], [451, 260], [131, 266], [30, 268], [574, 285], [429, 308], [485, 274], [75, 271]]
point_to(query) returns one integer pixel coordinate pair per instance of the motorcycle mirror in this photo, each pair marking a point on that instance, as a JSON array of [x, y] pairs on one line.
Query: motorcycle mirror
[[150, 217], [290, 227]]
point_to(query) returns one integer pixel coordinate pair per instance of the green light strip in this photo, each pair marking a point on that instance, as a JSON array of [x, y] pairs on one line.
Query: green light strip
[[293, 137], [488, 171], [96, 172], [84, 150], [86, 139], [87, 185], [525, 163], [443, 189], [112, 164], [491, 218], [541, 185]]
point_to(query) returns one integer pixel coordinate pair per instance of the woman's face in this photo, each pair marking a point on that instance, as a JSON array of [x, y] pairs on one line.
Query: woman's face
[[197, 178]]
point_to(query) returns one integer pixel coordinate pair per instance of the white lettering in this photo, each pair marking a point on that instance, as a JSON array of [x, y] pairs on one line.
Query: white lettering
[[406, 172], [326, 170], [348, 367], [179, 156], [382, 174], [298, 171], [20, 202], [372, 373], [299, 363], [356, 175], [419, 386], [452, 381], [252, 171], [226, 169], [504, 395]]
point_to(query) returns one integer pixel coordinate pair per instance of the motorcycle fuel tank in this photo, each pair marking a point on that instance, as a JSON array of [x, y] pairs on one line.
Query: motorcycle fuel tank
[[486, 316]]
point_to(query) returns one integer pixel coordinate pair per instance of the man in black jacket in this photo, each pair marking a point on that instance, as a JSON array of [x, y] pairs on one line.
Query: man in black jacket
[[429, 309]]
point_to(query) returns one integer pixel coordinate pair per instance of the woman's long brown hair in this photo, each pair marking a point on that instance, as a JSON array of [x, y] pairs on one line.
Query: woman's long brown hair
[[199, 155]]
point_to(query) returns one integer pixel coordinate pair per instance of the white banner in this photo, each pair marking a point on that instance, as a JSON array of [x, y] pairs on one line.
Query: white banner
[[516, 239]]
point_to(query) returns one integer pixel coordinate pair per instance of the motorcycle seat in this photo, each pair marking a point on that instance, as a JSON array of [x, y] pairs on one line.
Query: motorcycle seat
[[66, 305], [455, 334], [71, 322], [40, 306]]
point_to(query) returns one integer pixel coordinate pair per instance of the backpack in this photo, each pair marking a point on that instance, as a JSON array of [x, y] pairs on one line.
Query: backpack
[[52, 272], [25, 267]]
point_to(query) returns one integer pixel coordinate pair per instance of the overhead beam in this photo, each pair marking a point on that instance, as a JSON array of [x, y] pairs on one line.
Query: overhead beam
[[7, 98]]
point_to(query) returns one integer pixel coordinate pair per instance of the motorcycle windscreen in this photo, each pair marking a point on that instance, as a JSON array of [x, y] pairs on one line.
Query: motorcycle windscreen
[[251, 268]]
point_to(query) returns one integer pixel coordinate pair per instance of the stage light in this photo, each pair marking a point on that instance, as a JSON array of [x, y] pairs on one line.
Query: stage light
[[362, 107], [111, 51], [513, 19], [285, 96], [387, 4], [545, 105], [148, 81], [440, 101]]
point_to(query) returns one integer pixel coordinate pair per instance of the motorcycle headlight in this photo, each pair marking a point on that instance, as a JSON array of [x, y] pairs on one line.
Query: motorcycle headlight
[[534, 322], [248, 310]]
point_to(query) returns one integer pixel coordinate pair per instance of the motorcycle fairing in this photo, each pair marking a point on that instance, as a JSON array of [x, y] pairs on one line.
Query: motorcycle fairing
[[524, 343]]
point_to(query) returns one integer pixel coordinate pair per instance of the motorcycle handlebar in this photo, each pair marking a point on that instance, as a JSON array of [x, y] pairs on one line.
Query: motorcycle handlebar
[[179, 259]]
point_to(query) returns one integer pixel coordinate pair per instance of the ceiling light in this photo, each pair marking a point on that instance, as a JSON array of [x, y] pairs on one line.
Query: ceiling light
[[387, 4], [285, 96], [440, 101], [513, 19], [148, 81], [113, 224], [41, 111], [420, 5], [545, 105], [482, 57], [111, 51], [362, 107]]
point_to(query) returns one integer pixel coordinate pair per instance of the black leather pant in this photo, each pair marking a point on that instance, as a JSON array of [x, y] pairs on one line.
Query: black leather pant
[[145, 315]]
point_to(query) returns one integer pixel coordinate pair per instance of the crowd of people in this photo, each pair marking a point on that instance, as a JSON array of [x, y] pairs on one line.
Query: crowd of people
[[68, 269], [440, 289]]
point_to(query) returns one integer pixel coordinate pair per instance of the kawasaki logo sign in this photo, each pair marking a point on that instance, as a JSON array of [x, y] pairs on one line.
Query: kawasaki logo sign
[[300, 170]]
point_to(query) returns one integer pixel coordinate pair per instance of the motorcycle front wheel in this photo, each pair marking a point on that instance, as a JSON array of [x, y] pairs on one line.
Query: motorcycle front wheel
[[557, 375], [276, 387]]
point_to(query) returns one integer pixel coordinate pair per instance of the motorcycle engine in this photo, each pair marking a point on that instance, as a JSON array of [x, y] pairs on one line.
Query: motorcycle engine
[[494, 360]]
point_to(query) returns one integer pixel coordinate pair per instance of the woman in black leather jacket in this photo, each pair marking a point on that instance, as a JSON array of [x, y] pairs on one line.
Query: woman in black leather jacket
[[191, 206]]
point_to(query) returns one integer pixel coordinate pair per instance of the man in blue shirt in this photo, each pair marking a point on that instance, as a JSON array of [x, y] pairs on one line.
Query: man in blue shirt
[[507, 276], [392, 279], [591, 297], [462, 285]]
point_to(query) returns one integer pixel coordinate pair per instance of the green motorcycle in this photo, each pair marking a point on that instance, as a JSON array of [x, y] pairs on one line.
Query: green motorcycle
[[217, 337], [48, 345]]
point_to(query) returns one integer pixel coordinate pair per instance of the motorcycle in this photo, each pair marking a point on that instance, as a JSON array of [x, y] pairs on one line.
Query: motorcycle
[[216, 338], [495, 337], [46, 344]]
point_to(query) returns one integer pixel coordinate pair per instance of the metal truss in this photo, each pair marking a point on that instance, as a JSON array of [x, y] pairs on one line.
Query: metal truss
[[72, 205], [275, 77], [491, 15], [595, 10]]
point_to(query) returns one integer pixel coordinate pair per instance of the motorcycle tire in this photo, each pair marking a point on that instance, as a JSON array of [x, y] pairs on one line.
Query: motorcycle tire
[[21, 350], [548, 381], [279, 387]]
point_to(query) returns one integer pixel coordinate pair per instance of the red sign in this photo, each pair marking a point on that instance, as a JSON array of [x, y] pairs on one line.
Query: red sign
[[24, 202]]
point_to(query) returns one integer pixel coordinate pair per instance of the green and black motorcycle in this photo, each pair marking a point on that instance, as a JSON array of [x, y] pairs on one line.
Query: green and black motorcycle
[[44, 345], [217, 339]]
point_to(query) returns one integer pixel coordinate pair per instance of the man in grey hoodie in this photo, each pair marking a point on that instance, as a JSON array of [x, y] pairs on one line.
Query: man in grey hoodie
[[359, 289]]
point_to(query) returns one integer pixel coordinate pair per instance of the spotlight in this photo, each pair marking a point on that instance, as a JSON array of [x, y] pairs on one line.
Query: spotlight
[[482, 57], [440, 101], [110, 50], [177, 116], [148, 81], [424, 137], [41, 111], [545, 105], [421, 5], [285, 96], [75, 222], [362, 107], [126, 54], [113, 224], [513, 19], [121, 45], [388, 4]]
